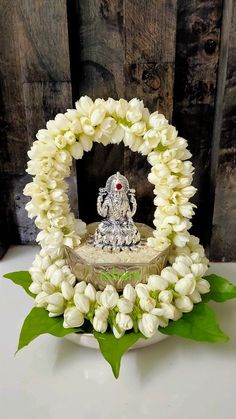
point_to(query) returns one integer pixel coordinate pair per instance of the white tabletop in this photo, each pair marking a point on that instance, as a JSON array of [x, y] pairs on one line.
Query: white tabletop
[[54, 378]]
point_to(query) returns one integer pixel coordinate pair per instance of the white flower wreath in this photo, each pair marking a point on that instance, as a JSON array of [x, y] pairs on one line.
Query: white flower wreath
[[166, 296]]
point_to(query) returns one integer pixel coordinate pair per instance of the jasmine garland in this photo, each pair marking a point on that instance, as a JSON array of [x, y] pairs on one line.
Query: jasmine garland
[[166, 296]]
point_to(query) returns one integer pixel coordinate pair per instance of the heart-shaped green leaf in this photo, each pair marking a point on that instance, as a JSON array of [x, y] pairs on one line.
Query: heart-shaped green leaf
[[201, 325], [113, 349], [38, 323], [21, 278], [221, 289]]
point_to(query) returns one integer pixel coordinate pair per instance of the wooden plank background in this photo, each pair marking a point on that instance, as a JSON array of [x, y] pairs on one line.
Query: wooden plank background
[[178, 56]]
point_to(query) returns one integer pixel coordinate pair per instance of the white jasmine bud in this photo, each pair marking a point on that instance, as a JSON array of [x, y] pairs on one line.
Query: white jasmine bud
[[76, 150], [37, 275], [203, 286], [165, 310], [121, 108], [195, 296], [109, 297], [73, 317], [180, 239], [57, 277], [186, 285], [56, 303], [90, 292], [41, 300], [84, 105], [98, 297], [186, 210], [152, 139], [86, 142], [62, 122], [133, 115], [80, 287], [199, 269], [142, 291], [147, 304], [169, 274], [50, 271], [148, 324], [102, 313], [124, 321], [117, 334], [82, 302], [157, 120], [117, 135], [129, 293], [110, 105], [165, 296], [125, 306], [138, 128], [184, 304], [67, 290], [97, 115], [60, 263], [99, 325], [157, 283], [181, 268], [177, 314], [88, 129], [48, 287], [35, 288], [52, 128], [60, 141], [182, 258], [69, 136], [45, 262], [196, 258]]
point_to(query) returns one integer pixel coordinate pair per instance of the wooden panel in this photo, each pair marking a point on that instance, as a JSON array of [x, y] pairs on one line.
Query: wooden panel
[[43, 40], [35, 85], [197, 54], [150, 30], [15, 226], [98, 40], [14, 142], [224, 222], [125, 51]]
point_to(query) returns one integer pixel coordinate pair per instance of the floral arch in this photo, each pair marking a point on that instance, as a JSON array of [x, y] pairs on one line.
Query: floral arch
[[166, 296]]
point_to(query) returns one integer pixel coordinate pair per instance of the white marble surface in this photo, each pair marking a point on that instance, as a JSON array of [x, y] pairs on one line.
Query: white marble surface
[[53, 378]]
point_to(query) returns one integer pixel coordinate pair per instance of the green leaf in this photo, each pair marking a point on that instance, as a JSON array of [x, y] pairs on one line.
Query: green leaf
[[221, 289], [113, 349], [21, 278], [38, 323], [201, 325]]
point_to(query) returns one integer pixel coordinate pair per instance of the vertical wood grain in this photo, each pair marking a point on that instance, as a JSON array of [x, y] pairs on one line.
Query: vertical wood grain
[[224, 159], [150, 35], [126, 49], [14, 139], [150, 32], [197, 56], [35, 85], [97, 60]]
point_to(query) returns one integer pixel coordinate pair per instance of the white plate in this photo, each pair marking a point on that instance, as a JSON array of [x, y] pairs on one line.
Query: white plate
[[89, 341]]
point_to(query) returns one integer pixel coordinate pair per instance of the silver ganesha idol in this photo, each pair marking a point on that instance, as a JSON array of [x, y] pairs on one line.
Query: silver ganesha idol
[[115, 250]]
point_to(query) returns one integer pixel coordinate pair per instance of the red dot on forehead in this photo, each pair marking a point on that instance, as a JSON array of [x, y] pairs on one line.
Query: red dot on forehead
[[119, 186]]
